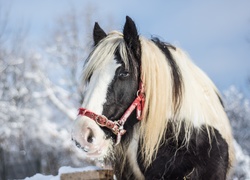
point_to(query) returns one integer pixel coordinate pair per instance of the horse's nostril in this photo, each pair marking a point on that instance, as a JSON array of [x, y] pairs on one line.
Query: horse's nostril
[[90, 137]]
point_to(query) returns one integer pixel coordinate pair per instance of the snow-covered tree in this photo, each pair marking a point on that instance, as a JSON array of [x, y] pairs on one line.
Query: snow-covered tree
[[238, 110], [36, 106], [237, 106]]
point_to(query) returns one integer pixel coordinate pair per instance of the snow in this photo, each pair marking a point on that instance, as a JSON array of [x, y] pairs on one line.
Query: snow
[[62, 170], [242, 165], [43, 177]]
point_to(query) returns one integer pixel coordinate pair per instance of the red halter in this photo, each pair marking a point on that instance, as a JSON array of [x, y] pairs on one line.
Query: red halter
[[117, 126]]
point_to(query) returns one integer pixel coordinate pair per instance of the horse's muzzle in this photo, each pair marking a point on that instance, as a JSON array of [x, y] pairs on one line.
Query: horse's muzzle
[[89, 137]]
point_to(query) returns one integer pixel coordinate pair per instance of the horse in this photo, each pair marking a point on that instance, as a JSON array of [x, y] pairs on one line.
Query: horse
[[150, 111]]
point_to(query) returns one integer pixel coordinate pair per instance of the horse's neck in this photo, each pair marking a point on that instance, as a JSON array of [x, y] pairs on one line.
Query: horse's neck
[[132, 153], [126, 164]]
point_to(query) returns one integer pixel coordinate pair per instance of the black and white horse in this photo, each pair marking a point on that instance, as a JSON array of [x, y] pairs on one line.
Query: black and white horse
[[150, 111]]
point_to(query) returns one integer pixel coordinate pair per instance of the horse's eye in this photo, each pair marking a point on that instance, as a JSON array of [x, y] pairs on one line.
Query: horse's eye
[[123, 75]]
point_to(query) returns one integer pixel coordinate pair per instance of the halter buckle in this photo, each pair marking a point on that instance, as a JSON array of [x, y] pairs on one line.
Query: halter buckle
[[98, 120]]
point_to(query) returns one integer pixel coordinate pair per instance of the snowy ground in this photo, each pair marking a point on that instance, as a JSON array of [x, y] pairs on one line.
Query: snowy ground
[[62, 170]]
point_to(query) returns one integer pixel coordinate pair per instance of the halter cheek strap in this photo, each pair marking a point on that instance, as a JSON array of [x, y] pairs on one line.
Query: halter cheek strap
[[117, 126]]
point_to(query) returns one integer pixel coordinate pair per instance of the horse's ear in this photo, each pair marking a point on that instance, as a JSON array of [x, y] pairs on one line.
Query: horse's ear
[[131, 37], [98, 34]]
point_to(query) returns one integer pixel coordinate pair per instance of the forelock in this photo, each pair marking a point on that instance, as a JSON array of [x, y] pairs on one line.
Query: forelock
[[105, 52]]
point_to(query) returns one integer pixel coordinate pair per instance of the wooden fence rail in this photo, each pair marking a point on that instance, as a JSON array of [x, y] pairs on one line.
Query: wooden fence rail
[[89, 175]]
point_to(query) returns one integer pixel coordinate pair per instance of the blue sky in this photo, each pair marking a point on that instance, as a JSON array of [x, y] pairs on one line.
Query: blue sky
[[214, 32]]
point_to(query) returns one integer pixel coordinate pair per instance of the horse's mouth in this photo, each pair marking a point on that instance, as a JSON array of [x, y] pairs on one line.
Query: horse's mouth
[[97, 152]]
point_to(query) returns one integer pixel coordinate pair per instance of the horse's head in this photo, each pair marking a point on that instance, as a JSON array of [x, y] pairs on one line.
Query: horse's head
[[111, 79]]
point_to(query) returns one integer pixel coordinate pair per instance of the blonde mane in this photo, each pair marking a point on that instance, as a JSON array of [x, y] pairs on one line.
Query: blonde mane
[[199, 103], [103, 53]]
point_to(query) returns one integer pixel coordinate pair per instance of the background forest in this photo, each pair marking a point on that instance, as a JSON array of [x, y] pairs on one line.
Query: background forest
[[40, 92]]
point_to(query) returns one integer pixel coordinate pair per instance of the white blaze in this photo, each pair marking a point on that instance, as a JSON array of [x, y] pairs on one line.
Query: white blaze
[[86, 133], [95, 93]]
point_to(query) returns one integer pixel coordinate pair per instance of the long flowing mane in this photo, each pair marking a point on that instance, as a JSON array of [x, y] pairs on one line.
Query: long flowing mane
[[176, 91], [192, 103]]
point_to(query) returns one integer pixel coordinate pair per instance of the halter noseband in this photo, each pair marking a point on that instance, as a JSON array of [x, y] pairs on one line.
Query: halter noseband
[[117, 126]]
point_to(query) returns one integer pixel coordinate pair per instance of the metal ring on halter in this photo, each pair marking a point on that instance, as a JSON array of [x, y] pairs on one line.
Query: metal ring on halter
[[118, 139], [138, 92], [116, 127]]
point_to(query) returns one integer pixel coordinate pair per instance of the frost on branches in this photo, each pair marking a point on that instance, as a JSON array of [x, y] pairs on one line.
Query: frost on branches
[[238, 110], [34, 122], [39, 96]]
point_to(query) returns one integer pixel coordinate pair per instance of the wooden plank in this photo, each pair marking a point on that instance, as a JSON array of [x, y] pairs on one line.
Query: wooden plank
[[106, 174]]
